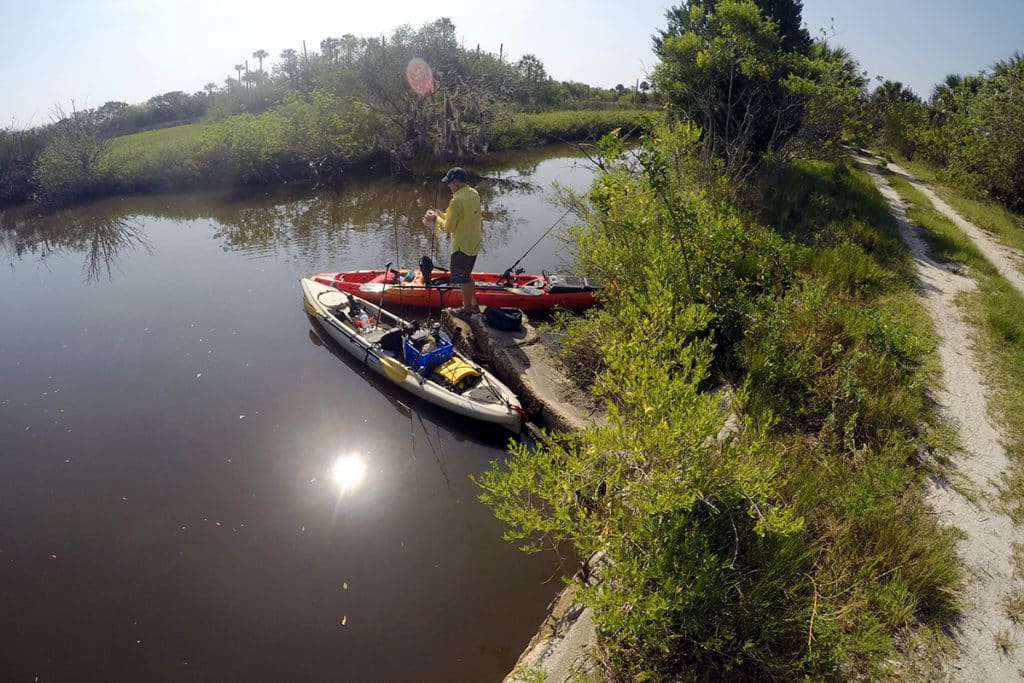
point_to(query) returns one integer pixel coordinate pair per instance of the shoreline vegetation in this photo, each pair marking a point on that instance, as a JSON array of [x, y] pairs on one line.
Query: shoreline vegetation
[[266, 149], [406, 103], [751, 256]]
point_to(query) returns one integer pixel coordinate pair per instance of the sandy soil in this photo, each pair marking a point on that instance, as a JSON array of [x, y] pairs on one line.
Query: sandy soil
[[971, 504]]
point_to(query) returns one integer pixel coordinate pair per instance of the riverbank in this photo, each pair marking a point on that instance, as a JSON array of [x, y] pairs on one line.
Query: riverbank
[[800, 545], [528, 361], [301, 143]]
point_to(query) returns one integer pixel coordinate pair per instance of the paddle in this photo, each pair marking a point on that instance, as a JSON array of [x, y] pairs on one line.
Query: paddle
[[395, 371]]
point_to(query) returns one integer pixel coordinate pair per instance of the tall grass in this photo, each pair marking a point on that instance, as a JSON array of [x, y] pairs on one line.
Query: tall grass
[[529, 130]]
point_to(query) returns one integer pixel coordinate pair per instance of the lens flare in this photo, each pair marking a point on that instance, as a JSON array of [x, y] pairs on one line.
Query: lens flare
[[348, 473], [419, 76]]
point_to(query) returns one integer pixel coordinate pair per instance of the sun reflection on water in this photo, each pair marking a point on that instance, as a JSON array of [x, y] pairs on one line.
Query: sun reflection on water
[[348, 473]]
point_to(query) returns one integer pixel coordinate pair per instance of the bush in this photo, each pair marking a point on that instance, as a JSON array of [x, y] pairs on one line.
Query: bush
[[18, 152], [68, 168], [798, 546]]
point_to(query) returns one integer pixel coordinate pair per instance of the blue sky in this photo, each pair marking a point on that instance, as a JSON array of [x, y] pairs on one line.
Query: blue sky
[[91, 51]]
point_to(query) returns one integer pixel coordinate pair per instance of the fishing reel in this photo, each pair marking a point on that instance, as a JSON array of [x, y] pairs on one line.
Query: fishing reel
[[508, 277]]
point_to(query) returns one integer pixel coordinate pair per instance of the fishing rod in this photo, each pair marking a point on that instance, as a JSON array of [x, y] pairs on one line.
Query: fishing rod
[[508, 274], [380, 303], [433, 228]]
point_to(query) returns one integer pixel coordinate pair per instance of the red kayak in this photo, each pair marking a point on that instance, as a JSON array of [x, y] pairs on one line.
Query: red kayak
[[526, 292]]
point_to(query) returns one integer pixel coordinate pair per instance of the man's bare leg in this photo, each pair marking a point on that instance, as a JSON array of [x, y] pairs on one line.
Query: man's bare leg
[[469, 304]]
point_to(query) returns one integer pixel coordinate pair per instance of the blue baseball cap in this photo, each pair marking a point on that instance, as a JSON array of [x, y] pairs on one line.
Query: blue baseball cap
[[455, 174]]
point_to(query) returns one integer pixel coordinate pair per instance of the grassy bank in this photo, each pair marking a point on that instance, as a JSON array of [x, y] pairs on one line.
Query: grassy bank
[[166, 158], [799, 545], [530, 130], [317, 140], [996, 312]]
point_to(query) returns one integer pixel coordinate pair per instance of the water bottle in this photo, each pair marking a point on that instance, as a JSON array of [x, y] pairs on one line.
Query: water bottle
[[364, 320]]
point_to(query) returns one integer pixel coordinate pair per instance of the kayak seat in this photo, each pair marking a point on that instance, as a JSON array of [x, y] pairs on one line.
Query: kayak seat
[[392, 341]]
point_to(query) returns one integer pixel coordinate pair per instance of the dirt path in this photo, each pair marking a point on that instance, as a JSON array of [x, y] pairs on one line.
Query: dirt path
[[1005, 259], [987, 548]]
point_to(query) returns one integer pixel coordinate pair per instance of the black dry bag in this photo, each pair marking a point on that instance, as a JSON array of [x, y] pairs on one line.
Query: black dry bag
[[504, 318]]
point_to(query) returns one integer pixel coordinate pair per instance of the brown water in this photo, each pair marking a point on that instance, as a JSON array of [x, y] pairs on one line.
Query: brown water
[[171, 426]]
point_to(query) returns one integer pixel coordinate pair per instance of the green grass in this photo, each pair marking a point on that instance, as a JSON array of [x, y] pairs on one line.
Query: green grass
[[151, 146], [995, 311], [169, 158], [527, 130], [165, 158], [984, 213], [883, 566]]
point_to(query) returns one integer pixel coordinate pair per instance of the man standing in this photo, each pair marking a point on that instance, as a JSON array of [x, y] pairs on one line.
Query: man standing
[[463, 223]]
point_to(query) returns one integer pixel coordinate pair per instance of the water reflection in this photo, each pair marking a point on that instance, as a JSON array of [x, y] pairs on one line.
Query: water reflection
[[104, 235], [348, 473], [313, 226], [169, 440]]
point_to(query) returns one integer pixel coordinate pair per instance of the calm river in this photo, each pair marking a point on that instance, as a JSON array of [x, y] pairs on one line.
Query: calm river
[[170, 428]]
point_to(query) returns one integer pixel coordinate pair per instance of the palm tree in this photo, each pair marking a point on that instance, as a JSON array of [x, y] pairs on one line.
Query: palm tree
[[894, 91], [1005, 67], [260, 54], [238, 68]]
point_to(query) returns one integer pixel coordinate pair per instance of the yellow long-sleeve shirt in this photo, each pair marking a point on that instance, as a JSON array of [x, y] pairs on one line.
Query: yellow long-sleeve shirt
[[462, 221]]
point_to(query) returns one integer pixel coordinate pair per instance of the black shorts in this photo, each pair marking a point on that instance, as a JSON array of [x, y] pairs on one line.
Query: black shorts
[[462, 268]]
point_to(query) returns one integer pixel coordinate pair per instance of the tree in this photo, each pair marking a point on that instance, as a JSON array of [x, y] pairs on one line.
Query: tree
[[450, 118], [786, 14], [289, 66], [260, 54], [238, 68], [721, 68], [992, 153], [330, 49], [68, 167], [895, 116], [726, 67], [532, 80]]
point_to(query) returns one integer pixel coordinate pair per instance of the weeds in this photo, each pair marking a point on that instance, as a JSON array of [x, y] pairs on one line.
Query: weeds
[[1004, 642], [1013, 605]]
